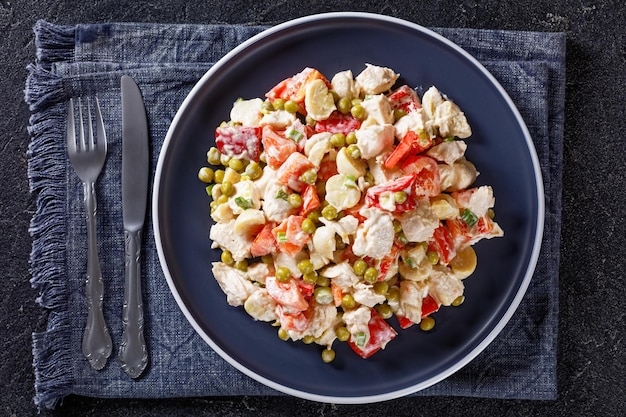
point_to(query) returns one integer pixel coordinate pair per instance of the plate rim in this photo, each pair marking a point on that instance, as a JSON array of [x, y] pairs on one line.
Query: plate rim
[[524, 284]]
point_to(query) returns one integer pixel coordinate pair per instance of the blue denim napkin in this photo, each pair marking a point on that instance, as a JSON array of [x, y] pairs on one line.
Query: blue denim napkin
[[166, 61]]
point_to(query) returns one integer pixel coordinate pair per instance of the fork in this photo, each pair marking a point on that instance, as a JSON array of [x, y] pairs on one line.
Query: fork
[[87, 155]]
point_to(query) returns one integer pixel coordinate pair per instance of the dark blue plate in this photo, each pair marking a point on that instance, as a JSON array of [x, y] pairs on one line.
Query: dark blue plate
[[500, 147]]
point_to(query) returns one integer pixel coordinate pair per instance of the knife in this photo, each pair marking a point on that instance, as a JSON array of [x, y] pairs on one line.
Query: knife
[[133, 354]]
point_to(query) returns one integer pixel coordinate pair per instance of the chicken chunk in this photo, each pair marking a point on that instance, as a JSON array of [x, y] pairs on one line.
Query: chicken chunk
[[375, 80], [234, 283], [223, 235]]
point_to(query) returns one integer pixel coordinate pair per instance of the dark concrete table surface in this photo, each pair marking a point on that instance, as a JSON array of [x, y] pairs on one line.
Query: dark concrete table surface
[[591, 358]]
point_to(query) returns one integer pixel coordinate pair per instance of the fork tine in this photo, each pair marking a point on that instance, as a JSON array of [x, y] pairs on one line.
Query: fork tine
[[101, 141], [71, 129], [90, 138], [82, 142]]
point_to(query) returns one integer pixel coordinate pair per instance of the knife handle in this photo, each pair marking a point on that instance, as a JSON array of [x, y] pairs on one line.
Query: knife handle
[[96, 345], [133, 354]]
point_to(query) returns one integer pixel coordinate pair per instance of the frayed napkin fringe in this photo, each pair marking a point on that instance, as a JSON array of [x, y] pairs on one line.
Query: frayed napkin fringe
[[51, 357], [54, 43]]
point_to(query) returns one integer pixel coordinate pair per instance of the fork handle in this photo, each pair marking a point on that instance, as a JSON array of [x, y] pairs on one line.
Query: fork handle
[[133, 354], [97, 343]]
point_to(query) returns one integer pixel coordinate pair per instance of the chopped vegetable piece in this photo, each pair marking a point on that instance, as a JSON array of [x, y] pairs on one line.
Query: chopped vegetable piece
[[381, 333]]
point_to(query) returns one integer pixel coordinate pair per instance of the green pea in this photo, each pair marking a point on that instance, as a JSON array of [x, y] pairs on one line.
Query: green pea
[[282, 334], [397, 226], [310, 277], [308, 339], [305, 266], [323, 295], [338, 140], [228, 188], [328, 355], [267, 259], [222, 199], [393, 294], [266, 107], [236, 164], [381, 287], [398, 114], [218, 176], [322, 281], [458, 300], [351, 138], [213, 156], [400, 197], [433, 257], [314, 216], [353, 151], [359, 266], [309, 176], [348, 301], [205, 174], [278, 104], [427, 323], [254, 170], [291, 106], [358, 112], [321, 188], [283, 274], [295, 200], [342, 334], [344, 105], [329, 212], [227, 258], [384, 310], [308, 226], [370, 275], [242, 265], [224, 159]]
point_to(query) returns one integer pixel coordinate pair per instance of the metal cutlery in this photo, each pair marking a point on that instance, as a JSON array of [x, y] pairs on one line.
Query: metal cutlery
[[133, 353], [87, 155]]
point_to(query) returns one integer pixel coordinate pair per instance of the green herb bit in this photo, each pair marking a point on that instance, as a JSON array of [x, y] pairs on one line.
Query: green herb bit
[[294, 134], [282, 194], [244, 203], [469, 217], [350, 181], [281, 237], [360, 339]]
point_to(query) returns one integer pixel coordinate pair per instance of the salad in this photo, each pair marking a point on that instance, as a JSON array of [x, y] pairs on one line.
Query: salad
[[345, 207]]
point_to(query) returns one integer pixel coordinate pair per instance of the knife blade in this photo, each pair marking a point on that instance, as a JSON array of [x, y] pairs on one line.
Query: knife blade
[[133, 354]]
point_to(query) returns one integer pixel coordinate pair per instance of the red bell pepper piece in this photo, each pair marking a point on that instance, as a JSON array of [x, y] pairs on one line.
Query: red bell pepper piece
[[380, 334], [429, 306]]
